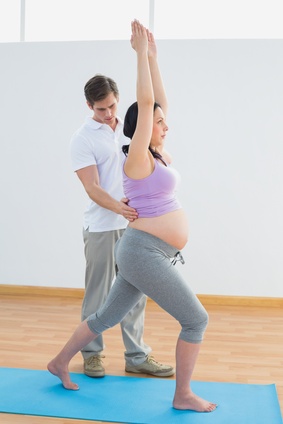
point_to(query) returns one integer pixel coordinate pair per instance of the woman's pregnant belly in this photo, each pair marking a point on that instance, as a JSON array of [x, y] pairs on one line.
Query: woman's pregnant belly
[[172, 227]]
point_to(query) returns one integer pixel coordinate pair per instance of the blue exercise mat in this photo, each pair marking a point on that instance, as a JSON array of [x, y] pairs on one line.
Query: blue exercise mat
[[133, 400]]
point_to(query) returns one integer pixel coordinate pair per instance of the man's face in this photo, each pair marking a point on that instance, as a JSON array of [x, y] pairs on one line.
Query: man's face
[[105, 110]]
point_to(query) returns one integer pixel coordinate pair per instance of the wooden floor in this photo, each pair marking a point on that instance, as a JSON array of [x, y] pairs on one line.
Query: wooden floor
[[242, 344]]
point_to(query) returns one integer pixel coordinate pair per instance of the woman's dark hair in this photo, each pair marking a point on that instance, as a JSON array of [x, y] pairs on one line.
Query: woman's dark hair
[[130, 124]]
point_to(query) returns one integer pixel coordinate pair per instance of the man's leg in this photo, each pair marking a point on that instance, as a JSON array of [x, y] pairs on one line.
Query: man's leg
[[99, 274], [137, 352], [132, 328]]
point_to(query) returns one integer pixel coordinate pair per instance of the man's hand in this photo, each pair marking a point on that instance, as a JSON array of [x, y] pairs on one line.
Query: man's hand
[[129, 213]]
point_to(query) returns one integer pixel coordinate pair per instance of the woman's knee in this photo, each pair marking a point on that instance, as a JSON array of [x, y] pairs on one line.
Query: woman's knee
[[193, 330]]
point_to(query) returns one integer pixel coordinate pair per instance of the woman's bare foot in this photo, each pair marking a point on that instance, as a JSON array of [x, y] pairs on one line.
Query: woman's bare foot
[[194, 403], [62, 372]]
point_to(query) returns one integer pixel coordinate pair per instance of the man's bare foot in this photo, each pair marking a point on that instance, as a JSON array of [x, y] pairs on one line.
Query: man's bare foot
[[194, 403], [62, 373]]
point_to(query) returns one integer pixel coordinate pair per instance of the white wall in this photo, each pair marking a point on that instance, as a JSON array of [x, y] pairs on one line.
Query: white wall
[[225, 132]]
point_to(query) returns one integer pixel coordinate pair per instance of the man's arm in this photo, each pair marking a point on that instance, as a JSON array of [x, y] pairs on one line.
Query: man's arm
[[90, 179]]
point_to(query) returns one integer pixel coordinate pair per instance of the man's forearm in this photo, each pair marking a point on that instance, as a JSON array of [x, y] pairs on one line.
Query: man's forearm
[[103, 199]]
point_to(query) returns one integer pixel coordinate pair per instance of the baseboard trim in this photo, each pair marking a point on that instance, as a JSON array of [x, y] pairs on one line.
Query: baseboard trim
[[15, 290], [220, 300]]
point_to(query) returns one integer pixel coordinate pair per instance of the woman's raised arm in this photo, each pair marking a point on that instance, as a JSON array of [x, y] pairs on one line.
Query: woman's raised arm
[[138, 150]]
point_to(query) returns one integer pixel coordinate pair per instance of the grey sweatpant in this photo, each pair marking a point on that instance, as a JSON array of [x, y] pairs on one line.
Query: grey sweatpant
[[145, 267], [99, 275]]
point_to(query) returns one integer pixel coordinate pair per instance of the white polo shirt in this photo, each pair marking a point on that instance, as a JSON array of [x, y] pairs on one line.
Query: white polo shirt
[[97, 144]]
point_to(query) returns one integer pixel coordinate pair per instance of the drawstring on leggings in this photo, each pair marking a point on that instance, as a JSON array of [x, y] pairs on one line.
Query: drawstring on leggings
[[178, 257]]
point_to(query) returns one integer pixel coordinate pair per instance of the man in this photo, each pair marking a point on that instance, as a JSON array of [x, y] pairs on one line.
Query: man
[[96, 156]]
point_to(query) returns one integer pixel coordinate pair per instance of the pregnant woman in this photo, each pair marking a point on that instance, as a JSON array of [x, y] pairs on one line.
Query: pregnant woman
[[151, 244]]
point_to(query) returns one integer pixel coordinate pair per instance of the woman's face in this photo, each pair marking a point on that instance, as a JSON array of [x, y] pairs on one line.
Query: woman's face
[[159, 129]]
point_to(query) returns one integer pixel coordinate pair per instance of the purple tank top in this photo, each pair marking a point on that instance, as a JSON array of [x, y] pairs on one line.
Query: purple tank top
[[154, 195]]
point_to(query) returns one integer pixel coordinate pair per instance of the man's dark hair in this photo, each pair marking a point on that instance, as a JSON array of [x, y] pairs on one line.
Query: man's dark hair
[[99, 87]]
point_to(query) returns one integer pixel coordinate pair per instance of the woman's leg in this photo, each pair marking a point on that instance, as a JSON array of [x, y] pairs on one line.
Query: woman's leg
[[120, 300], [184, 398], [149, 267], [59, 366]]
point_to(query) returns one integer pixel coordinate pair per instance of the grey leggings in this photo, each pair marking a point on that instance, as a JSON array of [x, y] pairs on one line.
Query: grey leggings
[[145, 267]]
